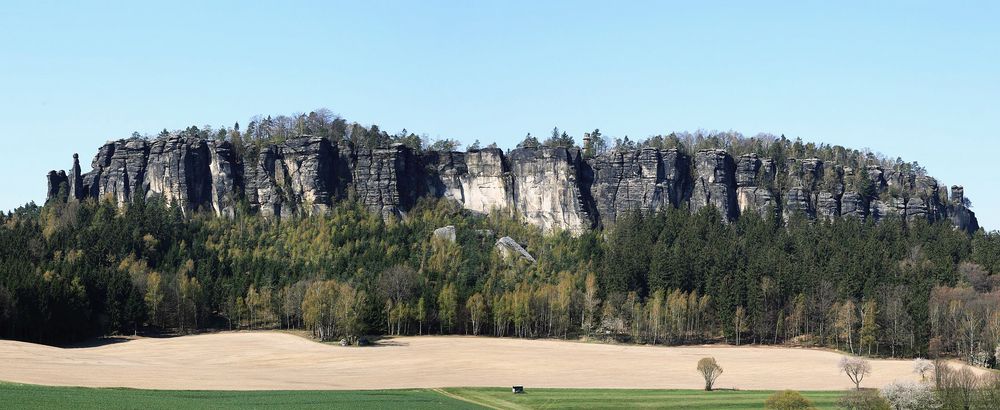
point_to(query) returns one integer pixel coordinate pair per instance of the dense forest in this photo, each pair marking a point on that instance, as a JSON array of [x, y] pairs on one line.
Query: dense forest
[[74, 270]]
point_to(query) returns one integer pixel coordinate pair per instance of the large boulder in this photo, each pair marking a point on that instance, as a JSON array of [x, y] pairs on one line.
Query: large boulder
[[446, 233], [510, 250]]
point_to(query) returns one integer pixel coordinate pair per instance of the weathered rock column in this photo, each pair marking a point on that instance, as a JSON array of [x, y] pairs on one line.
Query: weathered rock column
[[714, 183]]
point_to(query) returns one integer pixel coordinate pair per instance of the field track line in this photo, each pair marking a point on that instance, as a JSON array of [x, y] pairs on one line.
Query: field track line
[[465, 399]]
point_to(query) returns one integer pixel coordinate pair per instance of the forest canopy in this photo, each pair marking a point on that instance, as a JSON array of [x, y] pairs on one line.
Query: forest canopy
[[74, 270]]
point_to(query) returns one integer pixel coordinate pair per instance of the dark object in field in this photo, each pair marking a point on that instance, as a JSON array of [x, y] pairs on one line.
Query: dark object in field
[[517, 389]]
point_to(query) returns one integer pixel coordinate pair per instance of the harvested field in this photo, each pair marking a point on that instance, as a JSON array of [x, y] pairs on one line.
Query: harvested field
[[281, 361]]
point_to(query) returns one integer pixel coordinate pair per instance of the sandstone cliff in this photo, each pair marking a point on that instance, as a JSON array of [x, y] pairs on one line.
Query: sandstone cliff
[[552, 187]]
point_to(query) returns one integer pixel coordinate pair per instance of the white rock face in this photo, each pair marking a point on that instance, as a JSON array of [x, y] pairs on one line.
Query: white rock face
[[486, 187], [224, 190], [546, 192]]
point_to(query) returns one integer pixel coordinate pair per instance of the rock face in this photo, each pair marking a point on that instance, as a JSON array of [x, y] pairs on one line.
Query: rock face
[[262, 190], [640, 180], [547, 188], [226, 178], [120, 171], [715, 183], [959, 213], [306, 173], [487, 184], [176, 169], [480, 180], [803, 176], [75, 180], [852, 203], [753, 177], [58, 186], [551, 187], [376, 179]]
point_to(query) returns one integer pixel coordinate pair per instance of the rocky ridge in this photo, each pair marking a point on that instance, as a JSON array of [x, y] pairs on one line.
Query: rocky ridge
[[552, 187]]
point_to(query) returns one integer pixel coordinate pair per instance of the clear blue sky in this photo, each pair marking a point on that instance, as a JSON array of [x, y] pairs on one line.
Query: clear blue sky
[[920, 80]]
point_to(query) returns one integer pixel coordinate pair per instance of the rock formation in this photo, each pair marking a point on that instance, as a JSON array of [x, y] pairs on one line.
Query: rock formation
[[447, 233], [753, 177], [645, 180], [547, 188], [58, 186], [715, 183], [552, 187], [509, 249]]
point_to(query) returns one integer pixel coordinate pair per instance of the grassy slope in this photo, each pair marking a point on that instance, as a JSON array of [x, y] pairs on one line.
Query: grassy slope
[[21, 396], [610, 398]]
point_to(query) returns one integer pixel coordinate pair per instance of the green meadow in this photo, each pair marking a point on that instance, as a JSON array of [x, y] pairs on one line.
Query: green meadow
[[22, 396]]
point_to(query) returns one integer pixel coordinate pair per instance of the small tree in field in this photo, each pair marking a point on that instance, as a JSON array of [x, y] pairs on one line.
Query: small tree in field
[[710, 370], [922, 367], [787, 400], [856, 368]]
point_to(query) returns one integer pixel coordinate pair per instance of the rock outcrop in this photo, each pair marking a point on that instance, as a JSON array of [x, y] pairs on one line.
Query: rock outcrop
[[547, 188], [554, 188], [959, 213], [853, 203], [487, 184], [226, 178], [176, 169], [803, 176], [646, 180], [715, 183], [480, 180], [75, 180], [447, 233], [58, 186], [510, 250], [753, 177], [377, 179]]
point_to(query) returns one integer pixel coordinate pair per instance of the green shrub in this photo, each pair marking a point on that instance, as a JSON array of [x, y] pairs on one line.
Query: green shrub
[[863, 400], [787, 400]]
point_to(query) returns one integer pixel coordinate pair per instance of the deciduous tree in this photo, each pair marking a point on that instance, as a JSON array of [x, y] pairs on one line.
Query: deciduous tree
[[710, 371]]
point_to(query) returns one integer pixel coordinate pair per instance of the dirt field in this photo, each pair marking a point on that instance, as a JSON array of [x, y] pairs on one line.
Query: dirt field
[[272, 360]]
